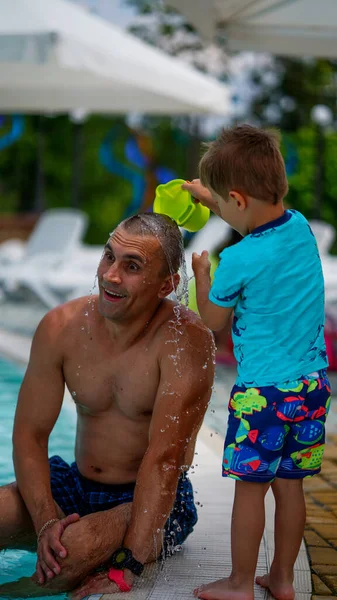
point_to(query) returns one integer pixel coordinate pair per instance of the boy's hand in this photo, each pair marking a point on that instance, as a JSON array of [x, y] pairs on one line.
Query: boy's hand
[[200, 194], [201, 265]]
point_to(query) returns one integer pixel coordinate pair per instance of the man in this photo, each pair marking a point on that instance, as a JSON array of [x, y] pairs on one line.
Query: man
[[140, 370]]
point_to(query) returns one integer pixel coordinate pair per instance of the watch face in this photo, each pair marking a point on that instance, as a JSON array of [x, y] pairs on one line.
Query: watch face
[[121, 556]]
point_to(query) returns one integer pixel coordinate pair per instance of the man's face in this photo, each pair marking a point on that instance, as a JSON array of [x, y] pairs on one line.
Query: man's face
[[130, 275]]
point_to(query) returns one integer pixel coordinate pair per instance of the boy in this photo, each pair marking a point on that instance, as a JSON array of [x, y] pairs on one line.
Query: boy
[[272, 281]]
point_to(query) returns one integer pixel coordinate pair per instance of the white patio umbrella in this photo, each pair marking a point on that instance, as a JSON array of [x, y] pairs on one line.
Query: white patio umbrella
[[284, 27], [56, 56]]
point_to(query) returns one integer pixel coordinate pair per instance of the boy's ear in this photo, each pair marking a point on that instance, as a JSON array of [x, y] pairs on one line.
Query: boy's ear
[[240, 200]]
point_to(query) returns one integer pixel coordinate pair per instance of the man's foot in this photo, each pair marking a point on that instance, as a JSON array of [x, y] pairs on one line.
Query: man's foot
[[223, 589], [94, 584], [281, 590]]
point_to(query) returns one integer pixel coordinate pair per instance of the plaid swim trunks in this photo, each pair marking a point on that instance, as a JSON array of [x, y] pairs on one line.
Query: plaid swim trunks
[[77, 494], [277, 431]]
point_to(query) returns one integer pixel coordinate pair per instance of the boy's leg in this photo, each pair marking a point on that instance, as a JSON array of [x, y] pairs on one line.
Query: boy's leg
[[248, 520], [289, 527]]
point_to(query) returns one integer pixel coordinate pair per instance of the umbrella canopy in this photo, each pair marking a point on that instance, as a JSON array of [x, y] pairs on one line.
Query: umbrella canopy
[[56, 56], [284, 27]]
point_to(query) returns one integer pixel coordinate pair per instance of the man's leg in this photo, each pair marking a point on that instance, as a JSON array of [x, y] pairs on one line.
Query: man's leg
[[90, 542], [248, 520], [16, 527], [289, 528]]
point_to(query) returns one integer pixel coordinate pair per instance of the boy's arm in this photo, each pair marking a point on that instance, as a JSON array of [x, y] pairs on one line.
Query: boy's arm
[[202, 195], [215, 317]]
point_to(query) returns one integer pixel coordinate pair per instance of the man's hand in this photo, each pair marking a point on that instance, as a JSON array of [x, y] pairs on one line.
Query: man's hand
[[201, 266], [50, 546], [201, 194], [99, 583]]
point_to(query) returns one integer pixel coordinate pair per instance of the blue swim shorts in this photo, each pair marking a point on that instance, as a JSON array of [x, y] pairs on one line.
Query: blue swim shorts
[[277, 431], [76, 494]]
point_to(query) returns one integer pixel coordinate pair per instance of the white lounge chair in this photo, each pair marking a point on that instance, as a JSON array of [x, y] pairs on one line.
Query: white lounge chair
[[53, 241]]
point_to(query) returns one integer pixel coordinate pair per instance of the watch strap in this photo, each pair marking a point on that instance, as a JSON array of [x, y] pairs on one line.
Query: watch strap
[[117, 576]]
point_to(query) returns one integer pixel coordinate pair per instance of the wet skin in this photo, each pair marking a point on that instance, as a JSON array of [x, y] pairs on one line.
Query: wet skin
[[130, 366]]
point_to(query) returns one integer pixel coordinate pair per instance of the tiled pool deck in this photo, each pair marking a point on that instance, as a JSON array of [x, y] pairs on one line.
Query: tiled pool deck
[[206, 554]]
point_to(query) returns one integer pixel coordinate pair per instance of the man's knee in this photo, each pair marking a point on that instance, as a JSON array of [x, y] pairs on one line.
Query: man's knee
[[90, 543], [16, 527]]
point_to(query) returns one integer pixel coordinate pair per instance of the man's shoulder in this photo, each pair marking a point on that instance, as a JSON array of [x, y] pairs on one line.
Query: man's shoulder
[[65, 315], [185, 326]]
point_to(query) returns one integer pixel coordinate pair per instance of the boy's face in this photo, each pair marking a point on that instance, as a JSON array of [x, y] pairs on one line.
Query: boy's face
[[232, 210]]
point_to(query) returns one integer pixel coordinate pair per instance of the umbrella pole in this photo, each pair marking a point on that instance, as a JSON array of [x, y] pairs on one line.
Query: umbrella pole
[[39, 200], [77, 164]]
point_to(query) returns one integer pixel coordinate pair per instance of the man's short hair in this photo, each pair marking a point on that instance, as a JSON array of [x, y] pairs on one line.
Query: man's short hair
[[248, 160], [165, 230]]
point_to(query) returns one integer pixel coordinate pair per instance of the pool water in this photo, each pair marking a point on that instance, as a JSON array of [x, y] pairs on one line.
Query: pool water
[[16, 563]]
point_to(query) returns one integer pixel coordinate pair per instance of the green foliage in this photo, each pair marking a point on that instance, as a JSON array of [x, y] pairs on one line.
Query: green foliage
[[302, 184], [102, 195]]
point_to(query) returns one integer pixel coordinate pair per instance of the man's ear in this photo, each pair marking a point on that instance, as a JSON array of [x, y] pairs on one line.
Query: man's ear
[[240, 200], [169, 284]]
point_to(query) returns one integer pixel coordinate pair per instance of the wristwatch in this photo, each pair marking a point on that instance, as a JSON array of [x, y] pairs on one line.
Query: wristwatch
[[122, 559]]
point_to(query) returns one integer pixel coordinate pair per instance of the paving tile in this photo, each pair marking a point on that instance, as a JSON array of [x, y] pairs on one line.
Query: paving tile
[[325, 497], [326, 530], [324, 556], [319, 587], [332, 581], [317, 519], [317, 484], [313, 539], [323, 569]]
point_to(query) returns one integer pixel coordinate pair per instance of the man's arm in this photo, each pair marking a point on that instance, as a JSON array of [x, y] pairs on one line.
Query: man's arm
[[39, 403], [181, 402]]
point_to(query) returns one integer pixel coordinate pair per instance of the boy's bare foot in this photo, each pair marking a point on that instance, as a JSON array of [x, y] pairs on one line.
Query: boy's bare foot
[[223, 589], [279, 589]]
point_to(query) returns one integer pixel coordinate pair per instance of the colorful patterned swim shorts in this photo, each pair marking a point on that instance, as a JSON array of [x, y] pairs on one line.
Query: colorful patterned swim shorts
[[277, 432]]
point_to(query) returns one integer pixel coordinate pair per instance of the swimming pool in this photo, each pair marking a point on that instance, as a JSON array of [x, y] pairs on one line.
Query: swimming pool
[[16, 563]]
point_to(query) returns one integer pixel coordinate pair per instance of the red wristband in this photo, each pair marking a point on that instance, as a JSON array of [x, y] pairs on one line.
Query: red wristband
[[117, 576]]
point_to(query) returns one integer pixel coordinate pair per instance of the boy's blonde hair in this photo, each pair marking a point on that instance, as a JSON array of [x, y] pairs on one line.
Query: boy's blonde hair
[[247, 160]]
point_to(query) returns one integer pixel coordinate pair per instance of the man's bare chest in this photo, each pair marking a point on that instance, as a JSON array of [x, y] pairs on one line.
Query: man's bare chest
[[99, 384]]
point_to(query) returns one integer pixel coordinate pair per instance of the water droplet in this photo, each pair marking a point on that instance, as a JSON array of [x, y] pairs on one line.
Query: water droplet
[[73, 394], [86, 314], [82, 328]]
